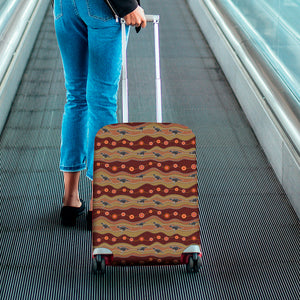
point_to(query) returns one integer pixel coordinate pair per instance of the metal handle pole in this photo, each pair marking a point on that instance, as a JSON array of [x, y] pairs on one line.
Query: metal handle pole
[[157, 72], [155, 20], [124, 74]]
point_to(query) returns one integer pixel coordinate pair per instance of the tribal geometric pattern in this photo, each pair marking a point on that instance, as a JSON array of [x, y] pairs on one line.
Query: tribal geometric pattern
[[145, 192]]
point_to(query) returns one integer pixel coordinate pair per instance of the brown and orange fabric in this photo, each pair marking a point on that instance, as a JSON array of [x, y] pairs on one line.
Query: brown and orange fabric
[[145, 192]]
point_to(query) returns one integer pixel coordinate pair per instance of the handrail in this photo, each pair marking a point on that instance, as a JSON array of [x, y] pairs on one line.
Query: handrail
[[7, 10], [280, 99], [20, 23], [13, 33]]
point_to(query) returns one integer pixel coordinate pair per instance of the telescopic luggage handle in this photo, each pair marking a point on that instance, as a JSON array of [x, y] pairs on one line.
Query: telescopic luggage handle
[[155, 20]]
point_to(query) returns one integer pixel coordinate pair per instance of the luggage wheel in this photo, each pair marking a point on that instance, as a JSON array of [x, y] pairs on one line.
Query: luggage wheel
[[194, 263], [98, 264]]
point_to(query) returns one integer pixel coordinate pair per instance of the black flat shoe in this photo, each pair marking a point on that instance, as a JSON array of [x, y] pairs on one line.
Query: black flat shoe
[[69, 214], [89, 218]]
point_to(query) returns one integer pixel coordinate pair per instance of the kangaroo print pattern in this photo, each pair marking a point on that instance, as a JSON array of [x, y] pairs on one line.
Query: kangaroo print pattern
[[145, 192]]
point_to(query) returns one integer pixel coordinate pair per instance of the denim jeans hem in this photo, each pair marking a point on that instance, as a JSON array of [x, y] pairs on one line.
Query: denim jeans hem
[[73, 169]]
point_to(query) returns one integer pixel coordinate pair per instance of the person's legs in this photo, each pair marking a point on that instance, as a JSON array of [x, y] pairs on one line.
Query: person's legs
[[71, 35], [92, 78]]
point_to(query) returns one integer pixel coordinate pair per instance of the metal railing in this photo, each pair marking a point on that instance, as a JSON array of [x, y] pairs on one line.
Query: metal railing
[[19, 24], [13, 23], [278, 92]]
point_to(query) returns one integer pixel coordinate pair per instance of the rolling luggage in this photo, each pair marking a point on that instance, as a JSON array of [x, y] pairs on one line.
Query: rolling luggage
[[145, 196]]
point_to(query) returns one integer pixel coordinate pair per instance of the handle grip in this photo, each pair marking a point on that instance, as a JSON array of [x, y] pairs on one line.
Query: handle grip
[[152, 18]]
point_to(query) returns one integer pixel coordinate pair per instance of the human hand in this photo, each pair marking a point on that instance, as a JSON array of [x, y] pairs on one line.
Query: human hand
[[136, 18]]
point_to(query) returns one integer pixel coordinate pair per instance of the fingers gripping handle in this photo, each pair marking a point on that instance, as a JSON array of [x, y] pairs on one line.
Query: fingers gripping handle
[[155, 20]]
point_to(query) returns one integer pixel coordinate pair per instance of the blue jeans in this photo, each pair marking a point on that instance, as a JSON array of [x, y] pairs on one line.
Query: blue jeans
[[90, 43]]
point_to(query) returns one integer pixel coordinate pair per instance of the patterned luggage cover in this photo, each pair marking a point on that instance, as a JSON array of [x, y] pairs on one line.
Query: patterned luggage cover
[[145, 192]]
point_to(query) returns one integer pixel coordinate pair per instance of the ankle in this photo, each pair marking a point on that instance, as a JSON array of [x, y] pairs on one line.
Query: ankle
[[71, 201]]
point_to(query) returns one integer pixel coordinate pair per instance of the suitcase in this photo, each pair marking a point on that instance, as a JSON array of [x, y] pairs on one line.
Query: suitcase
[[145, 196]]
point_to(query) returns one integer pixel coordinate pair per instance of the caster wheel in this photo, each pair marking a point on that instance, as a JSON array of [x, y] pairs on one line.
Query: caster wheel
[[102, 266], [197, 264], [98, 264], [94, 265], [194, 263], [190, 265]]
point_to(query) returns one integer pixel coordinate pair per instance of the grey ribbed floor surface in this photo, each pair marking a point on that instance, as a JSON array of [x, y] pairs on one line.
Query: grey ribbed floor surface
[[250, 233]]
